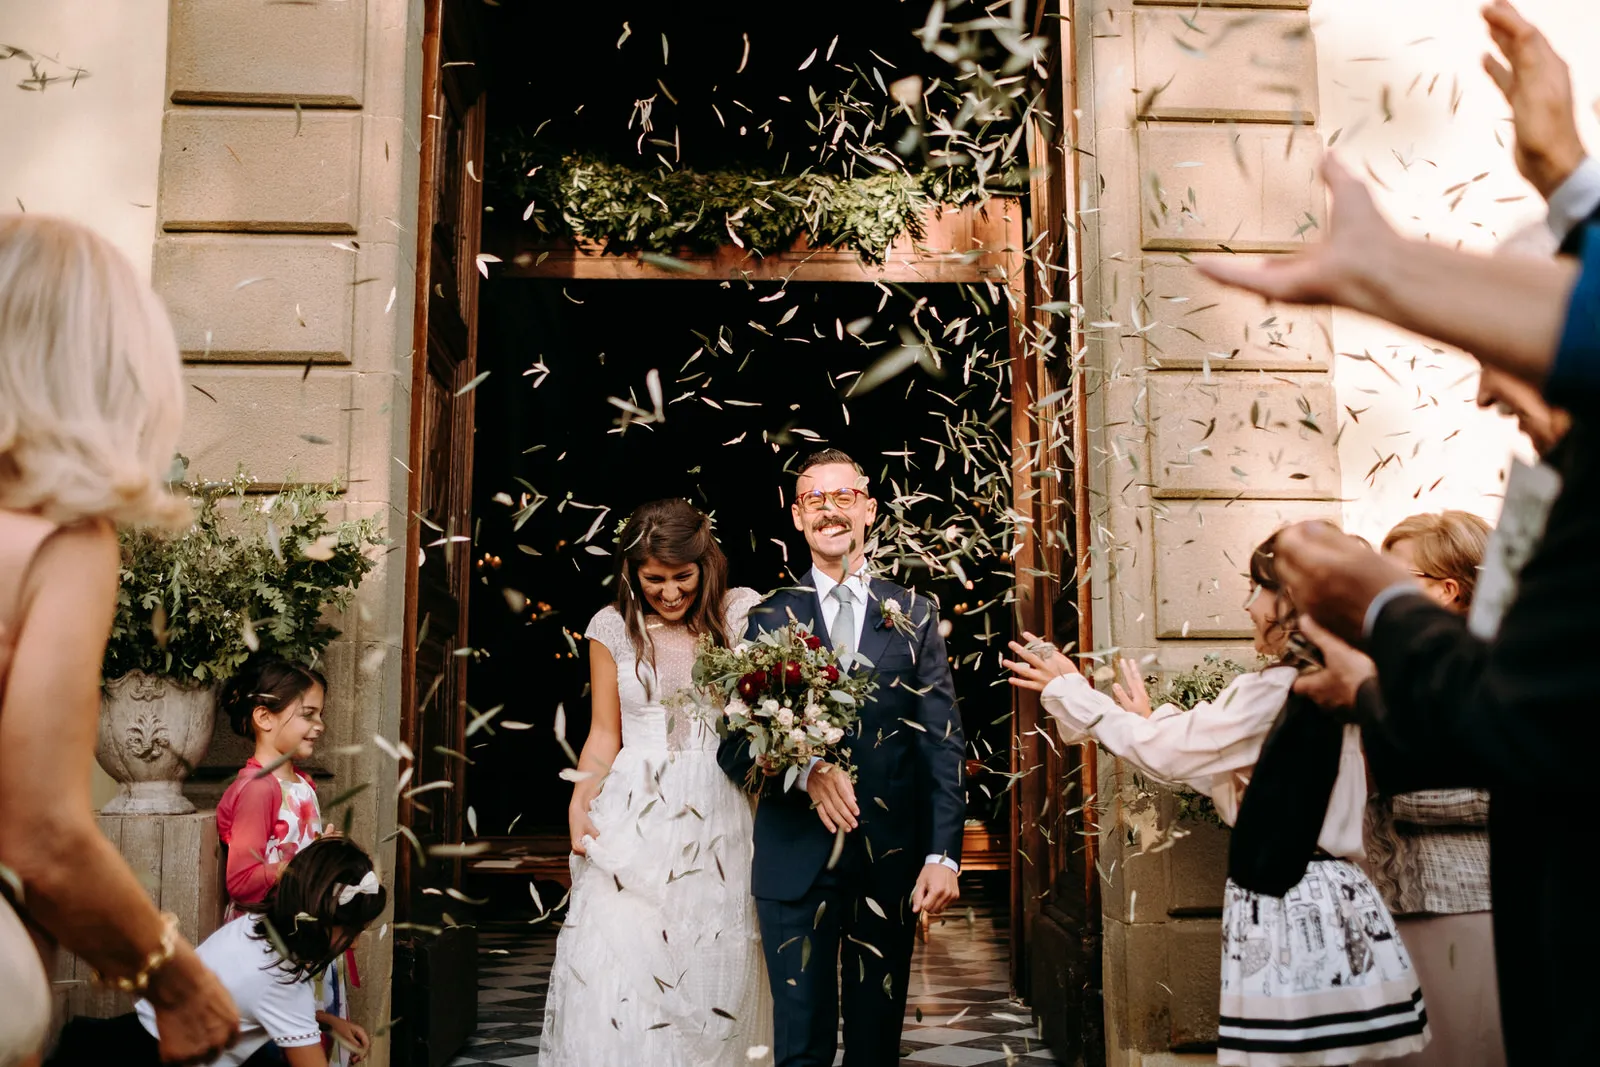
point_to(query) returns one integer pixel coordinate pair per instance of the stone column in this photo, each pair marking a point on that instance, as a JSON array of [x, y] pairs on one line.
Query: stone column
[[286, 248], [1212, 417]]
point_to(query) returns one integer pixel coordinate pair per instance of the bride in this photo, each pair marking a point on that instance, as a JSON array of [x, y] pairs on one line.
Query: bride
[[659, 961]]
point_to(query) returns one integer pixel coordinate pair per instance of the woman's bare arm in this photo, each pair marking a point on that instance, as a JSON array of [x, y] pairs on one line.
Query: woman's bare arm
[[77, 887], [603, 743]]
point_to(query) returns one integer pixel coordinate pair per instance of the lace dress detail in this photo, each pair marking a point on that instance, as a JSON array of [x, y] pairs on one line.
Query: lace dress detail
[[664, 892]]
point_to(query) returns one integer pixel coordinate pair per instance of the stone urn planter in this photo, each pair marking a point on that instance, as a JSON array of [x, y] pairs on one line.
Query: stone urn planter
[[153, 730]]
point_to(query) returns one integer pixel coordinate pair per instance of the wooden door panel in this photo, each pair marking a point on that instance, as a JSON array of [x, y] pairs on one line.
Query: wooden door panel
[[439, 505]]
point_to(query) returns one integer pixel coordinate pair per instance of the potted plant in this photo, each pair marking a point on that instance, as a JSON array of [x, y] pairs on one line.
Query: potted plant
[[251, 573]]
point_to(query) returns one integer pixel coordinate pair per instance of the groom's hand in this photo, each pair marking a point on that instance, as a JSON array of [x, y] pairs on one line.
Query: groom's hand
[[936, 889], [834, 796]]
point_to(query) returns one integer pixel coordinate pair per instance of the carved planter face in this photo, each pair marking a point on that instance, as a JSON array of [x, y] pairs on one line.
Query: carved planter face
[[152, 732]]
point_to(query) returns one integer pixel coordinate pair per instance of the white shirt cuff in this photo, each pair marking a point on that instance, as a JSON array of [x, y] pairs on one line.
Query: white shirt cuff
[[945, 861], [1576, 199], [1382, 600], [806, 773]]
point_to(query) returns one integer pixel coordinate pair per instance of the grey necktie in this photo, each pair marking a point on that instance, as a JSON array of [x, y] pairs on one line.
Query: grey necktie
[[843, 631]]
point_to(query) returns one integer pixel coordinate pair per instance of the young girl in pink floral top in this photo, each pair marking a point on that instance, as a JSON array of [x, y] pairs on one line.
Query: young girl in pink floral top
[[269, 813]]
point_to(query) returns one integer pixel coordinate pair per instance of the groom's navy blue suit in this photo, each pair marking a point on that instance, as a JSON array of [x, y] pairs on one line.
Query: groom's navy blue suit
[[909, 754]]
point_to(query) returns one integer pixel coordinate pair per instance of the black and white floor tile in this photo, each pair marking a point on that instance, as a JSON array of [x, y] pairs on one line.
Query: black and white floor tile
[[959, 1011]]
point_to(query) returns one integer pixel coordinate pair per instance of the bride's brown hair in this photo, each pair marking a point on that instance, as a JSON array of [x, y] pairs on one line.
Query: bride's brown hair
[[673, 532]]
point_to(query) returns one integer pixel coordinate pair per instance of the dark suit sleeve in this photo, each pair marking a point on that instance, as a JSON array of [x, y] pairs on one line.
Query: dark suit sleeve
[[1397, 766], [941, 745], [1453, 700], [733, 753]]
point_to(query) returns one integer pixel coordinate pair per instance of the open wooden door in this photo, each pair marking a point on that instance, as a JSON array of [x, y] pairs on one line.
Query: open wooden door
[[1055, 887], [435, 961]]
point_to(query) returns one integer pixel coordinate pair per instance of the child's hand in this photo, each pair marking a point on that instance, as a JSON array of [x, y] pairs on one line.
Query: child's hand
[[351, 1036], [1041, 663], [331, 830], [1130, 693]]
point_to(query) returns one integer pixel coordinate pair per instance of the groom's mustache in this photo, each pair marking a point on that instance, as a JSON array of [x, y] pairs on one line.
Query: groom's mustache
[[831, 520]]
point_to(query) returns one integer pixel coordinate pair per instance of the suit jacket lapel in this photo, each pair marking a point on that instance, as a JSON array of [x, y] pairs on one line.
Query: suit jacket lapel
[[875, 636]]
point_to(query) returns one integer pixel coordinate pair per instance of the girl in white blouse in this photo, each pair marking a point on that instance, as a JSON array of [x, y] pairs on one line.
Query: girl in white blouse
[[268, 959], [1318, 976]]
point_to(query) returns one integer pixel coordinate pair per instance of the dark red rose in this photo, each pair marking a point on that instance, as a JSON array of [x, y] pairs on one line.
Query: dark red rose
[[791, 673], [831, 673], [752, 684], [813, 642]]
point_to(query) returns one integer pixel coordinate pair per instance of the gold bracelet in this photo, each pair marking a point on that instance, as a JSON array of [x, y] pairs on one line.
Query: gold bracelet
[[153, 962]]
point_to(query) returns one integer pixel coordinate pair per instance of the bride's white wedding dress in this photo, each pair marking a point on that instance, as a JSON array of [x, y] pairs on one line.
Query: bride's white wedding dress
[[659, 961]]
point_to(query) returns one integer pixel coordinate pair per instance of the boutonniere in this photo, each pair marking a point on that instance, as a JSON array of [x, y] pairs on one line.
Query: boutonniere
[[892, 614]]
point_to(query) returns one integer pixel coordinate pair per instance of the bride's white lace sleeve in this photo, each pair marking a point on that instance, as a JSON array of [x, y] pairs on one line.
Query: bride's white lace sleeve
[[736, 610], [610, 630]]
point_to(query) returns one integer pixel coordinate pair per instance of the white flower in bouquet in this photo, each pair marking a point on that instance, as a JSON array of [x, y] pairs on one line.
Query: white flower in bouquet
[[735, 707], [813, 712], [816, 729], [785, 717], [769, 707], [797, 736], [834, 735]]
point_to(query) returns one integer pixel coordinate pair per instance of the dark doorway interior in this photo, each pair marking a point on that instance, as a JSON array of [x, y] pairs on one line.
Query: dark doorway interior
[[742, 401]]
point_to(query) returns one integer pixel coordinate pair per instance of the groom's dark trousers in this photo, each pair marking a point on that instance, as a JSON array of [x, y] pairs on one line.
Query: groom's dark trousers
[[818, 921], [802, 940]]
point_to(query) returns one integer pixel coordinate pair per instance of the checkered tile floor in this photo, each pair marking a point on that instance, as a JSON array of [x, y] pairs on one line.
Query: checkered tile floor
[[959, 1011]]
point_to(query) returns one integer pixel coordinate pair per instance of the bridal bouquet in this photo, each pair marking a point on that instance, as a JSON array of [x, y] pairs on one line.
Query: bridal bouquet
[[787, 694]]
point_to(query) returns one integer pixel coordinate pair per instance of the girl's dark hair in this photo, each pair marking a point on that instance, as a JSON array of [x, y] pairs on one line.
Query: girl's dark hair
[[1264, 576], [301, 915], [270, 682], [673, 532]]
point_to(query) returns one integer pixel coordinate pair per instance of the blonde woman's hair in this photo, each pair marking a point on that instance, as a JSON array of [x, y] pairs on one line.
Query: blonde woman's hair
[[1450, 544], [91, 383]]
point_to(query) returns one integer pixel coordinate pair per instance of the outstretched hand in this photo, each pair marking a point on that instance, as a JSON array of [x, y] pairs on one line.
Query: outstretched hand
[[1039, 663], [1130, 693], [1329, 272], [1538, 86]]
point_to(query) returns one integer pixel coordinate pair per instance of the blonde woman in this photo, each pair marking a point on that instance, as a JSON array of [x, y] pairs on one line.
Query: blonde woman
[[1428, 851], [91, 400]]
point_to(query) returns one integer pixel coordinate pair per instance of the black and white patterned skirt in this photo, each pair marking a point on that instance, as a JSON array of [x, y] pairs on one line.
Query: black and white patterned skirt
[[1318, 976]]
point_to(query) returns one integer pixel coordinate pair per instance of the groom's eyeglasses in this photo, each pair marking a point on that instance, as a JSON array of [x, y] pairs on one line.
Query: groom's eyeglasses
[[842, 499]]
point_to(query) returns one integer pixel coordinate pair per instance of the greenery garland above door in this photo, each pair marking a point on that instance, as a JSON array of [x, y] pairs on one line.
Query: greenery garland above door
[[660, 210]]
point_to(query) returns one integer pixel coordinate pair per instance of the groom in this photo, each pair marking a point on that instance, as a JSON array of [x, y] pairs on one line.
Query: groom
[[901, 822]]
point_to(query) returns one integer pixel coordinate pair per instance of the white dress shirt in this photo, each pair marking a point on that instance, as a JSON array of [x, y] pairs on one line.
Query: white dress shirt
[[861, 591], [1575, 199]]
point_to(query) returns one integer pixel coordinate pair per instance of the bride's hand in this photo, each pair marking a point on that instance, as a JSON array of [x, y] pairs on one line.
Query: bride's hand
[[580, 826], [1041, 663]]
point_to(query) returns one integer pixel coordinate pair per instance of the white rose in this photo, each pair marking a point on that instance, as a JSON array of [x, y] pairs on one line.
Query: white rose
[[736, 707], [797, 736], [769, 707], [834, 735], [892, 606], [813, 712], [785, 717]]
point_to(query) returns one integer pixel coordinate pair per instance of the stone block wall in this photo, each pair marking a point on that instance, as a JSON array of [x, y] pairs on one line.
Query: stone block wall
[[1212, 418], [286, 251]]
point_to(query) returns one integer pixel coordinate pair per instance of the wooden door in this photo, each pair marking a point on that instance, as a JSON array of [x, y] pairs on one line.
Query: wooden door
[[439, 545], [1055, 890]]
